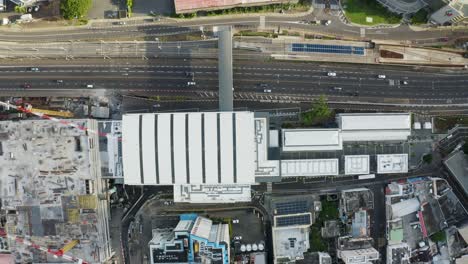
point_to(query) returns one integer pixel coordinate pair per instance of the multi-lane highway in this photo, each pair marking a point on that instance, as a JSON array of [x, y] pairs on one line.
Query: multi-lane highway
[[268, 78]]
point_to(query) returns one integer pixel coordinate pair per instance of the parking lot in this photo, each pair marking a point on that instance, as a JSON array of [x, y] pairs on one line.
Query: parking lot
[[105, 8], [250, 227], [158, 7]]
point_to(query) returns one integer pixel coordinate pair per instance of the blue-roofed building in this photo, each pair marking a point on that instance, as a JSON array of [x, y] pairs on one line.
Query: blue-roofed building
[[195, 239]]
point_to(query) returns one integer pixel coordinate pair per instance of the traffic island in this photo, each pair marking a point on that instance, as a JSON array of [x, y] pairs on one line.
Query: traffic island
[[409, 55]]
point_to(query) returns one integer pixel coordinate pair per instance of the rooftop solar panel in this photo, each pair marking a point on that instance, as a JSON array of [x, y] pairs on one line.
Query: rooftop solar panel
[[291, 207], [293, 220], [321, 48]]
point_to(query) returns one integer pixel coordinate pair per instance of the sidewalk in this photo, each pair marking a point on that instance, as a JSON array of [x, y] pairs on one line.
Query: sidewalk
[[142, 20]]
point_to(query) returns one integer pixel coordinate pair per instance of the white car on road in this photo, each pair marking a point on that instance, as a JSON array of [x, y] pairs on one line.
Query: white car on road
[[331, 74], [381, 76]]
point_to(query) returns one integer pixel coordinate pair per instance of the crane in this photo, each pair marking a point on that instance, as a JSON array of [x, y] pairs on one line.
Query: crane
[[57, 253], [29, 107]]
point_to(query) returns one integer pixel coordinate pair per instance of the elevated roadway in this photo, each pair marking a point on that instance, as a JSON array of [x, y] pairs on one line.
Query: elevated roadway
[[169, 76]]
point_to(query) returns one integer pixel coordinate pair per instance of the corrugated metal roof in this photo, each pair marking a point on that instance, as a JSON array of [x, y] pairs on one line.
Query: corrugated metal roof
[[189, 148]]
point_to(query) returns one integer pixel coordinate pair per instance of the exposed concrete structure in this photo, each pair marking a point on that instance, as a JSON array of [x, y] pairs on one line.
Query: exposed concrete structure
[[52, 190], [225, 68]]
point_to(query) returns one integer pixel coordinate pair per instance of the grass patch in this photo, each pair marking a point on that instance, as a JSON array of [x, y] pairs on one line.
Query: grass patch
[[419, 18], [358, 10], [317, 243], [443, 124], [329, 212]]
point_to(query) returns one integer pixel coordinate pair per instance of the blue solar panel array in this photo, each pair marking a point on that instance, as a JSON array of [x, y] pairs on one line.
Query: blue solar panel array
[[291, 207], [321, 48], [293, 220]]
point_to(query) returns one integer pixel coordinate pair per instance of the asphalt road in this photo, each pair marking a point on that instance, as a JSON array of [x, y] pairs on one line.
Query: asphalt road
[[142, 29], [252, 80]]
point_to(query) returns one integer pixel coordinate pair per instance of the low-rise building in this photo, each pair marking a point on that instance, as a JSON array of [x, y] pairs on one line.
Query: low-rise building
[[215, 157], [292, 218], [357, 250], [195, 239], [398, 253]]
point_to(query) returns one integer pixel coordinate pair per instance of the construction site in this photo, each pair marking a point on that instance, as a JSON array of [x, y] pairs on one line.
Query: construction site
[[53, 202]]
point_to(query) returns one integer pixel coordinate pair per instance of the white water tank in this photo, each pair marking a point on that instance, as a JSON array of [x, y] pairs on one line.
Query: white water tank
[[249, 247], [261, 246], [254, 247], [243, 248]]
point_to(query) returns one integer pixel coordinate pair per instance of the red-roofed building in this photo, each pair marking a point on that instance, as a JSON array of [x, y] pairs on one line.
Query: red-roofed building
[[191, 6]]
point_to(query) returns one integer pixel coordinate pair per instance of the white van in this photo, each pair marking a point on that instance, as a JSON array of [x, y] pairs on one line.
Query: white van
[[90, 86], [381, 76]]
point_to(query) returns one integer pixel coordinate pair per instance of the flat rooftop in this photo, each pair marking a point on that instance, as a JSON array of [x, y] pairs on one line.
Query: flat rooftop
[[313, 167], [375, 126], [374, 121], [290, 242], [188, 148], [394, 163], [50, 175], [458, 167], [311, 139], [356, 164]]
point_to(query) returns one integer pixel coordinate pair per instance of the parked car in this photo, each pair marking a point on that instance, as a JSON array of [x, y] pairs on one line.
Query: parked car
[[331, 74], [34, 69], [381, 76], [267, 90], [238, 238], [191, 84], [235, 221]]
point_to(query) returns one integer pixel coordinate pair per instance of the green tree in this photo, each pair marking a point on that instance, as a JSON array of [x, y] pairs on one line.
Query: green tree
[[75, 8], [20, 9], [320, 112], [465, 148], [427, 158], [439, 236]]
